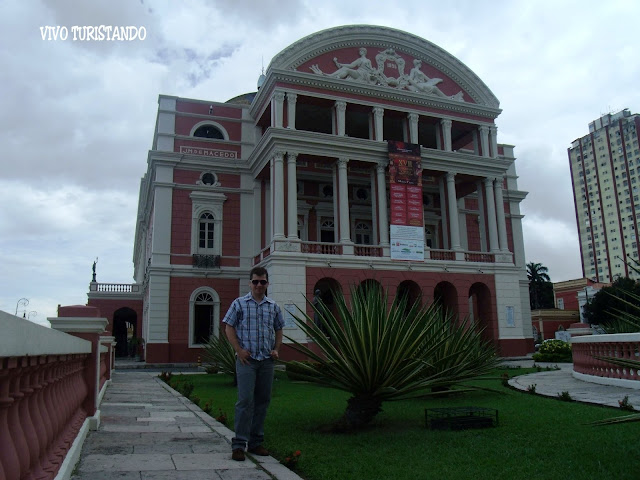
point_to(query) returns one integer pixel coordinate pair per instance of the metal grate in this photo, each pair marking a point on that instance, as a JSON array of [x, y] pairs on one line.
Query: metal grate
[[460, 418]]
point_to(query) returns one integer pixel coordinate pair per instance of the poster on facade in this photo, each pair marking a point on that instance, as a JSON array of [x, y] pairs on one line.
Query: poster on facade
[[405, 192]]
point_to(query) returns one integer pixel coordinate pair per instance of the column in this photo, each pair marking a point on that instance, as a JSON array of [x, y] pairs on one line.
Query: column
[[484, 139], [446, 133], [291, 110], [341, 109], [443, 214], [452, 205], [493, 140], [378, 115], [491, 215], [481, 217], [278, 196], [292, 197], [413, 127], [277, 109], [500, 217], [343, 207], [383, 219]]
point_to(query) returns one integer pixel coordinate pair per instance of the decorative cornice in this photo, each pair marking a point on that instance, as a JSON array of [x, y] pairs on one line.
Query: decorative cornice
[[309, 80]]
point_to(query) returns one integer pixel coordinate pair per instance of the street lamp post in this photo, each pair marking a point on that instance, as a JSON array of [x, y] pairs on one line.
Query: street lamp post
[[24, 302]]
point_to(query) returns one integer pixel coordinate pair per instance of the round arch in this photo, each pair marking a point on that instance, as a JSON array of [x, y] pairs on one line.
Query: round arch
[[204, 315], [125, 326], [223, 130], [446, 295], [481, 311], [412, 291]]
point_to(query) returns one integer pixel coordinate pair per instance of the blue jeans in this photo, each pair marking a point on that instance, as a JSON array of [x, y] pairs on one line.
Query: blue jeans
[[254, 395]]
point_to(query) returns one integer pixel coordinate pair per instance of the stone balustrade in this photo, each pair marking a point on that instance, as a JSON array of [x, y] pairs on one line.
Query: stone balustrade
[[587, 367], [50, 386]]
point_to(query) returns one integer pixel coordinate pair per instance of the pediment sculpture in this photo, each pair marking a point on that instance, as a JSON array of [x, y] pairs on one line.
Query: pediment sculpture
[[389, 72]]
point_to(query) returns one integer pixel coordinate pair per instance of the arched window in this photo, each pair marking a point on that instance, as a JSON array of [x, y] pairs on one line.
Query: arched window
[[327, 232], [206, 226], [363, 233], [208, 131], [204, 316]]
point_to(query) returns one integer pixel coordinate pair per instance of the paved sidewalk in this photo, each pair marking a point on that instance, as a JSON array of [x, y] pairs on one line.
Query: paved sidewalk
[[149, 431], [551, 383]]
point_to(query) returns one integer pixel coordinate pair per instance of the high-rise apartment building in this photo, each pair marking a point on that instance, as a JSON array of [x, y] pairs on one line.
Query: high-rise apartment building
[[605, 173]]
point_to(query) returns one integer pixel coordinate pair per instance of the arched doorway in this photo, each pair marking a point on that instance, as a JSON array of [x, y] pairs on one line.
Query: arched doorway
[[480, 311], [412, 291], [324, 291], [125, 327], [446, 295]]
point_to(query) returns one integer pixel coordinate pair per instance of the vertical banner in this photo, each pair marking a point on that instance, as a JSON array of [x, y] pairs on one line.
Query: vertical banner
[[405, 185]]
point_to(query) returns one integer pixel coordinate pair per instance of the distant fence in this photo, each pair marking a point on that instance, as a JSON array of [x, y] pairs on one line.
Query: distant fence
[[587, 367], [51, 384]]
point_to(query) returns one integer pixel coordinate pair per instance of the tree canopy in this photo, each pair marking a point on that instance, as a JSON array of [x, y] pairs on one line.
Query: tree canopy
[[540, 286], [610, 303]]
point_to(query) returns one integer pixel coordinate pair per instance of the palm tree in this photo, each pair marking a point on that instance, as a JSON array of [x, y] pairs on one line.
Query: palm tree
[[538, 276], [379, 354]]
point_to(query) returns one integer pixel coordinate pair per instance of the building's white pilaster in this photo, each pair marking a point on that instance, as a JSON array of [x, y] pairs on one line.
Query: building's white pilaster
[[446, 133], [484, 139], [292, 197], [341, 110], [291, 110], [383, 219], [278, 196], [378, 124], [413, 127], [277, 109], [452, 205], [491, 215], [345, 235], [500, 216]]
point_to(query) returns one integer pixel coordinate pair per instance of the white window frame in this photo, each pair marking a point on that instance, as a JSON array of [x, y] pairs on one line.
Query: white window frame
[[216, 313], [206, 202]]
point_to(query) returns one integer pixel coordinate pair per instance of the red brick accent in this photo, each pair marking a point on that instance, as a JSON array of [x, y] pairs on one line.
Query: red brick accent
[[79, 311]]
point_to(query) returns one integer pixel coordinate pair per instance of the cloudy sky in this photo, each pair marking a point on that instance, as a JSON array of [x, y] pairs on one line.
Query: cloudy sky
[[77, 118]]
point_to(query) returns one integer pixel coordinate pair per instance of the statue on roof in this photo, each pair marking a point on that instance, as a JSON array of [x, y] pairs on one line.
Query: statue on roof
[[360, 69]]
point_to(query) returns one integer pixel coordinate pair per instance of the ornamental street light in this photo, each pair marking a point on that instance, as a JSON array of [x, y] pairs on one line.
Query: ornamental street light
[[24, 302]]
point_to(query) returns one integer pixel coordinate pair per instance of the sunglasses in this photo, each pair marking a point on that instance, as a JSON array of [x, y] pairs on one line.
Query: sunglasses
[[261, 282]]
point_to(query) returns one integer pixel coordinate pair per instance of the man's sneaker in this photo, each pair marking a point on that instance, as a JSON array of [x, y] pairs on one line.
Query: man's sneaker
[[259, 450], [238, 455]]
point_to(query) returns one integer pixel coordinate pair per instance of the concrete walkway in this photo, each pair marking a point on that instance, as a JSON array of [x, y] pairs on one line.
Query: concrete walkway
[[551, 383], [149, 431]]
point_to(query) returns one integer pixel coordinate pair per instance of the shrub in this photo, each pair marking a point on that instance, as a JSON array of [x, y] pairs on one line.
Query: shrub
[[565, 396], [553, 351], [532, 388]]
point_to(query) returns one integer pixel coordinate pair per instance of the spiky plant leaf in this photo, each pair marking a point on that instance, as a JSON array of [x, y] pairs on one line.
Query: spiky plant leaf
[[380, 354], [218, 352]]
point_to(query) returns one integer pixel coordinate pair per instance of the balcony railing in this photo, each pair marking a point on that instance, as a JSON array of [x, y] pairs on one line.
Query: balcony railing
[[322, 248], [367, 251], [206, 261], [115, 287]]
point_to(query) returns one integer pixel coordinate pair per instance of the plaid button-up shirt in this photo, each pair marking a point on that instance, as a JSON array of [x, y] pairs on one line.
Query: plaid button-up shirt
[[256, 324]]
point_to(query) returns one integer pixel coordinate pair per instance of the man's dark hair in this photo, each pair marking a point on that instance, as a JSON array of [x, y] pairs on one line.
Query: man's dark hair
[[258, 271]]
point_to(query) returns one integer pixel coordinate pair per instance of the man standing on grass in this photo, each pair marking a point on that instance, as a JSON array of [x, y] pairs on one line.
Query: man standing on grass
[[254, 328]]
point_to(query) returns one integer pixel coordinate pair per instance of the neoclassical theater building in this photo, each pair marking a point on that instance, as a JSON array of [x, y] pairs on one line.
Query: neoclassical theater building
[[367, 158]]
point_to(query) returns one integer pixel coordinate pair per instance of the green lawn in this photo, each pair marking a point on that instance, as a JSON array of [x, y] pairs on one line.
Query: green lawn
[[537, 437]]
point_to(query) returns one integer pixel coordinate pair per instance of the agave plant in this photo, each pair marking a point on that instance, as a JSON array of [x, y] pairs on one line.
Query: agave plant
[[381, 354], [219, 353]]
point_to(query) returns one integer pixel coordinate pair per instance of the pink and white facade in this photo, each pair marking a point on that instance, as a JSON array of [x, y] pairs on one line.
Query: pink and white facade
[[295, 178]]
